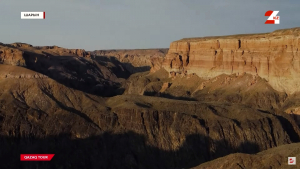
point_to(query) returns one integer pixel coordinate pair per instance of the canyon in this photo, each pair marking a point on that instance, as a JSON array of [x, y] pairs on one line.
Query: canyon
[[136, 60], [273, 56], [211, 102]]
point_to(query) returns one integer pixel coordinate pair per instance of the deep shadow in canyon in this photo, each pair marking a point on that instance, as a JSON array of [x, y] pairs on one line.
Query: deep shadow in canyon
[[168, 96], [129, 68], [286, 125], [112, 151], [97, 75]]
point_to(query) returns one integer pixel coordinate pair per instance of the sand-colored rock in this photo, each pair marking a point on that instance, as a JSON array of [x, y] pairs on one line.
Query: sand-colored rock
[[11, 56], [295, 114], [274, 56], [14, 72], [24, 45]]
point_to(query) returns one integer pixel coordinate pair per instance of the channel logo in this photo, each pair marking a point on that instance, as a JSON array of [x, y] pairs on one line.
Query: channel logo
[[292, 161], [273, 18], [33, 15]]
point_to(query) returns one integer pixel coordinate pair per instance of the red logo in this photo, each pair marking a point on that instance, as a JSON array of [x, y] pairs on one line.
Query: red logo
[[273, 18], [292, 161], [36, 157]]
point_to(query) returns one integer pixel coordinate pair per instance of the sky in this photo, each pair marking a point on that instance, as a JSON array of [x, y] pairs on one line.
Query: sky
[[137, 24]]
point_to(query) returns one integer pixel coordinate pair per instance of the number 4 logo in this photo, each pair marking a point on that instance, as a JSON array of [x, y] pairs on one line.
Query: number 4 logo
[[273, 19]]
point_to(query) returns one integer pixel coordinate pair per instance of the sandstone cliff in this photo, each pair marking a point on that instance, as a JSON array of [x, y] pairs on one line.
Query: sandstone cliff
[[274, 56]]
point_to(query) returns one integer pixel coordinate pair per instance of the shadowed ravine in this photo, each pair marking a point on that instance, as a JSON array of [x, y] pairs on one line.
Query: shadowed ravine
[[111, 151]]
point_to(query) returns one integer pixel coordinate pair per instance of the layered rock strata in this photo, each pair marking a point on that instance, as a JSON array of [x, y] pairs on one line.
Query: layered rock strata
[[274, 56]]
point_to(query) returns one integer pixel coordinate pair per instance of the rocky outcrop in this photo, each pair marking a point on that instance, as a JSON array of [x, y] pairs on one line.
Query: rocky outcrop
[[295, 114], [11, 56], [274, 56], [72, 67], [24, 45], [12, 72], [247, 89], [65, 52], [80, 52]]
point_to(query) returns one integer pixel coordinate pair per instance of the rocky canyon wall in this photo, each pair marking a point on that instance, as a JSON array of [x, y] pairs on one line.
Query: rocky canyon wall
[[274, 56], [136, 60]]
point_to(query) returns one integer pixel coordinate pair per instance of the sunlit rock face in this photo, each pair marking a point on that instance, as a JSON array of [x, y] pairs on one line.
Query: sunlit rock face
[[274, 56]]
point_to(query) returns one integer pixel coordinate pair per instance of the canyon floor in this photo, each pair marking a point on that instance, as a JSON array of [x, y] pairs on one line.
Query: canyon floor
[[130, 109]]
